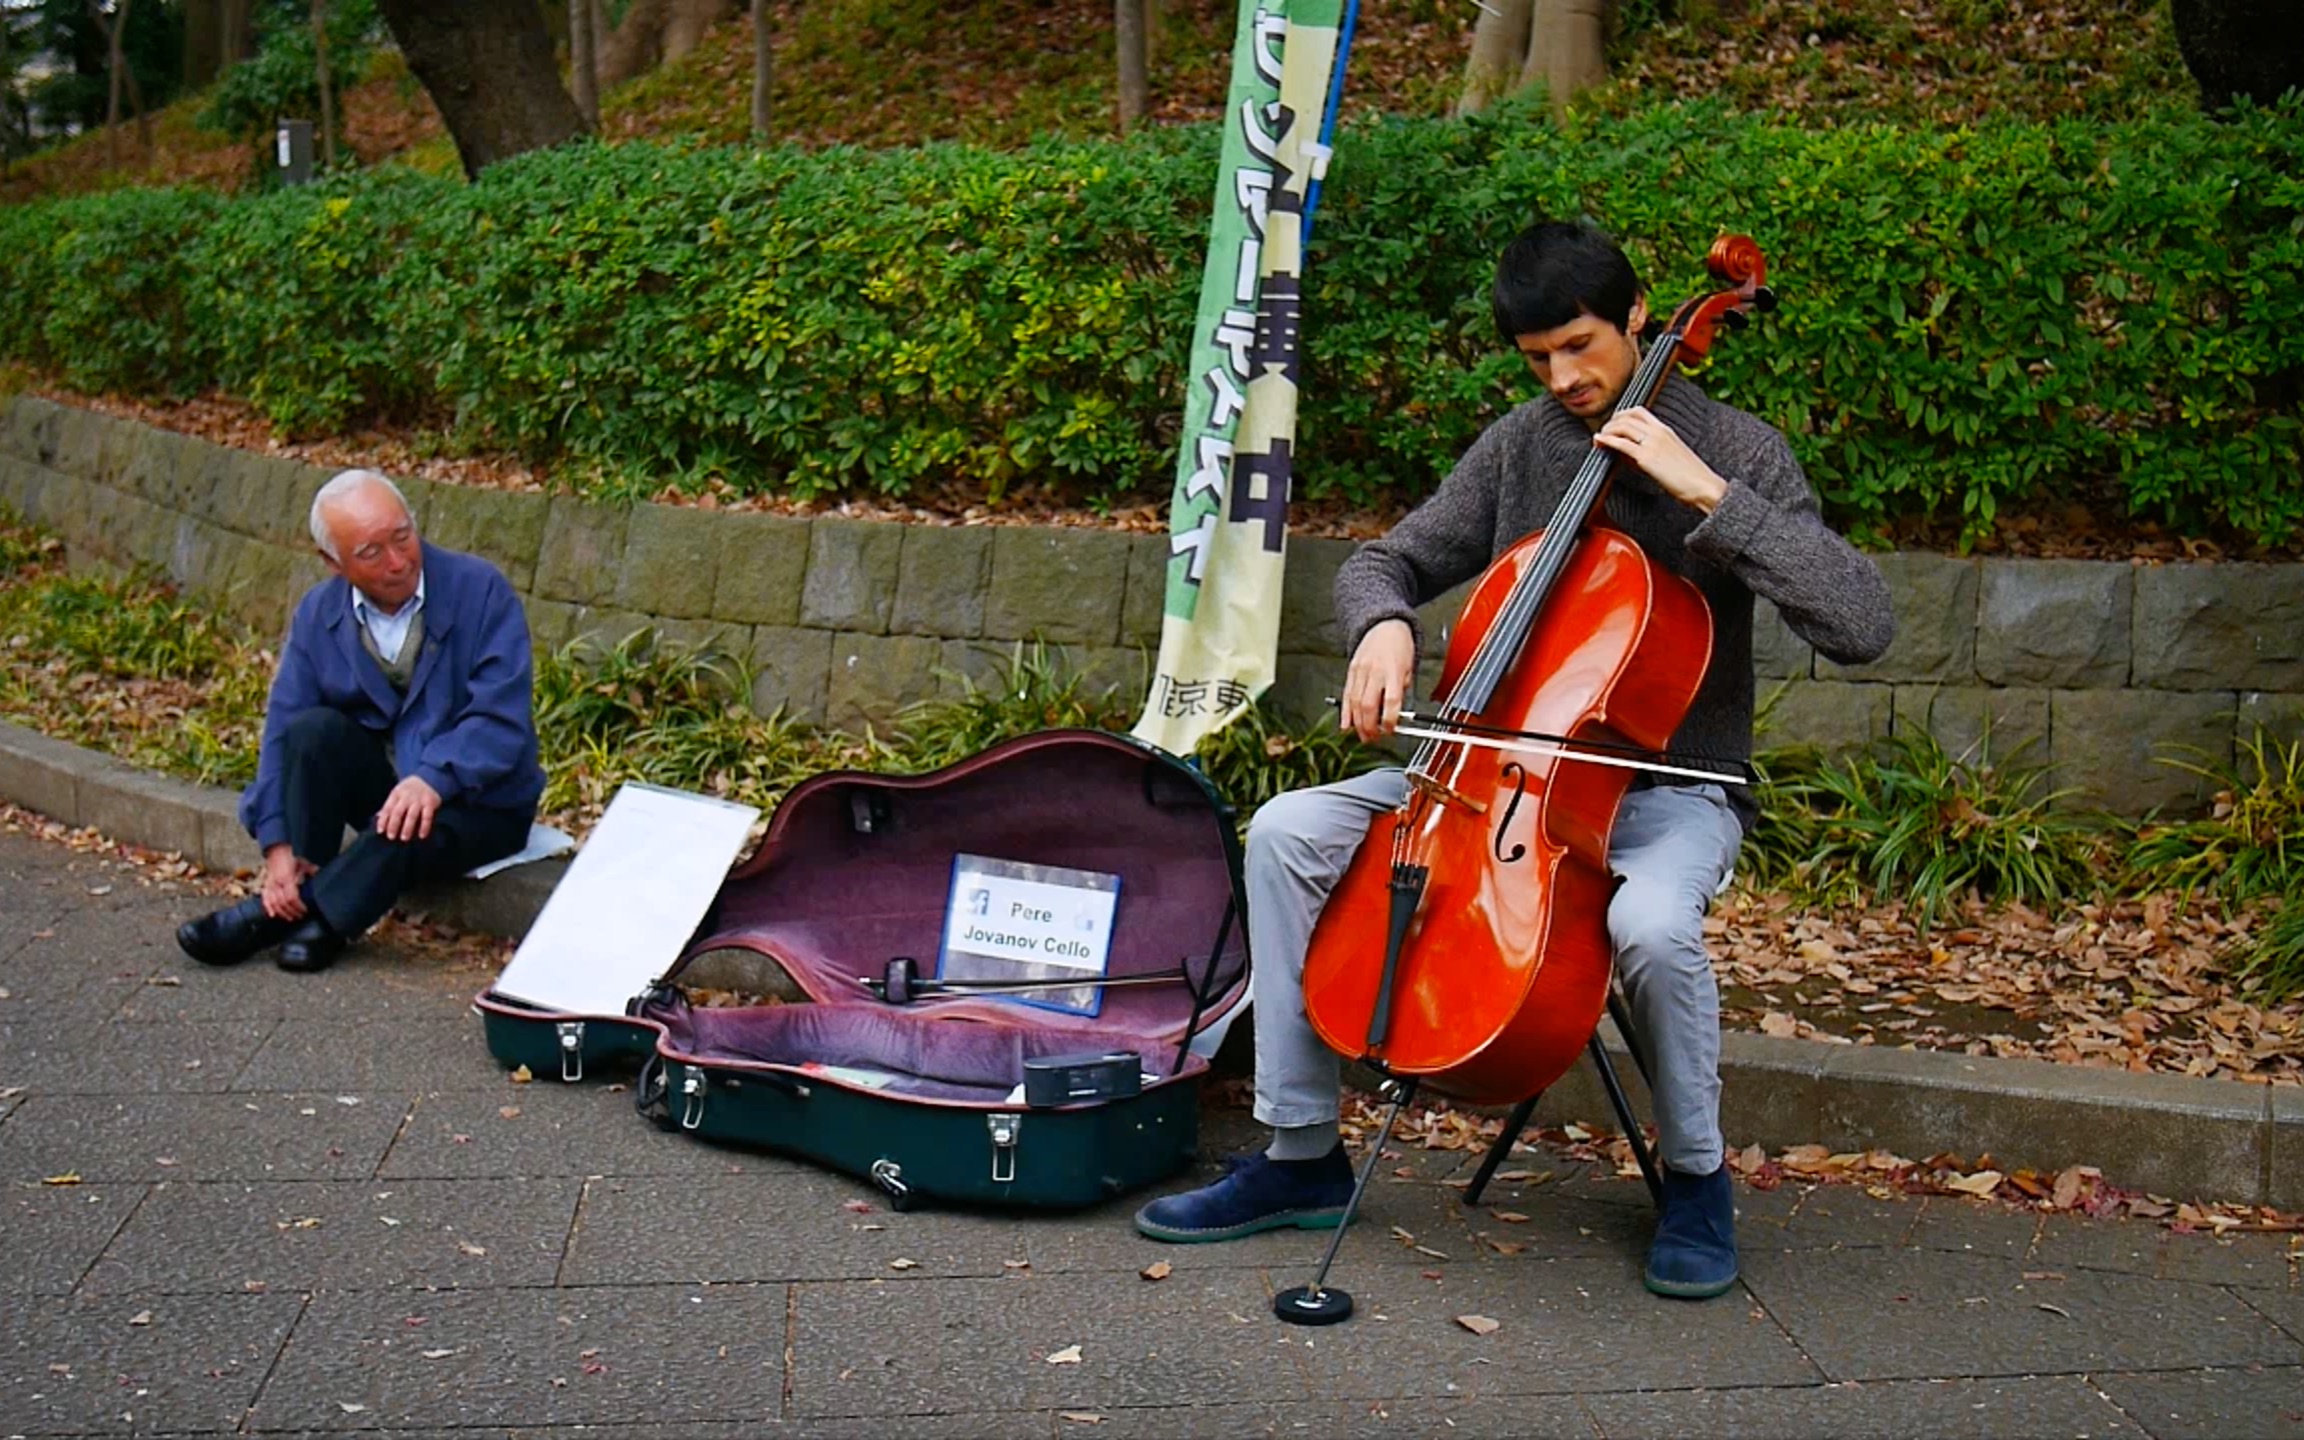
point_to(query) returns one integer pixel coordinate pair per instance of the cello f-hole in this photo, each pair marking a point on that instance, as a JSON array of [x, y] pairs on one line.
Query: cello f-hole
[[1518, 774]]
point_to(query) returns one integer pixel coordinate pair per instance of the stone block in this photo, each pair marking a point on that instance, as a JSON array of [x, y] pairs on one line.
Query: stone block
[[2116, 746], [1836, 716], [1934, 597], [180, 489], [208, 483], [116, 444], [1777, 653], [551, 624], [141, 808], [2220, 627], [873, 677], [1308, 595], [251, 495], [150, 471], [942, 573], [28, 428], [291, 524], [671, 561], [852, 569], [763, 565], [583, 549], [1144, 610], [790, 670], [20, 482], [2178, 1136], [1437, 620], [197, 560], [1063, 585], [257, 594], [418, 493], [1987, 725], [2284, 1149], [226, 847], [2270, 720], [144, 533], [600, 629], [306, 569], [39, 773], [1301, 685], [2057, 623], [715, 641], [1099, 674], [506, 904], [506, 527], [76, 441]]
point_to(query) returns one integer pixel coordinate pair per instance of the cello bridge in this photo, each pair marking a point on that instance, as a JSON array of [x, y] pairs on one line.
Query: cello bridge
[[1441, 792]]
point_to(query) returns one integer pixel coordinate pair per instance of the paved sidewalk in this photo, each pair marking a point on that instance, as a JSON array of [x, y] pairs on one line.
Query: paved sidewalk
[[314, 1205]]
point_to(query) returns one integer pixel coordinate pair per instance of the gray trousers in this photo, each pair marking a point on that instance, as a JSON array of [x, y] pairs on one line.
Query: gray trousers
[[1672, 850]]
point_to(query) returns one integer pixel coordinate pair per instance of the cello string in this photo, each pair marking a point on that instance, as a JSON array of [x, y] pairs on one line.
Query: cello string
[[1500, 647]]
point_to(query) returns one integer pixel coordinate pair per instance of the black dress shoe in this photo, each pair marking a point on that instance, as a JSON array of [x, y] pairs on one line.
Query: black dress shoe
[[310, 946], [227, 937]]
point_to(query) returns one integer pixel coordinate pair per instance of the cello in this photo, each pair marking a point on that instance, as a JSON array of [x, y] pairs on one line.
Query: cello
[[1571, 664]]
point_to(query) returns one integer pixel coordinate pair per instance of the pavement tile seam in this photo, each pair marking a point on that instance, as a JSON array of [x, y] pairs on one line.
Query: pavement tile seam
[[272, 1369], [96, 1256], [1782, 1329], [2290, 1328]]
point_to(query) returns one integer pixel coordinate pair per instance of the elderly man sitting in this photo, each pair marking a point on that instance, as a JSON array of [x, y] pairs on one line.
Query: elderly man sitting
[[401, 709]]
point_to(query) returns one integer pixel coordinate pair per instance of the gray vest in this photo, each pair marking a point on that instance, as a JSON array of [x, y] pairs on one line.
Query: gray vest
[[401, 670]]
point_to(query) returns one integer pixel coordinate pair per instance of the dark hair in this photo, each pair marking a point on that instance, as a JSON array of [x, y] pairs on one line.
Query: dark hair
[[1556, 270]]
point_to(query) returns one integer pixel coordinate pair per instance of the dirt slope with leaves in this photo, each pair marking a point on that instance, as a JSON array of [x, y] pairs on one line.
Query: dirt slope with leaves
[[894, 72]]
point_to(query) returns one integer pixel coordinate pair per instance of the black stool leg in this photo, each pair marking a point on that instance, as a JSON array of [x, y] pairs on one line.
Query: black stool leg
[[1513, 1125], [1622, 1104]]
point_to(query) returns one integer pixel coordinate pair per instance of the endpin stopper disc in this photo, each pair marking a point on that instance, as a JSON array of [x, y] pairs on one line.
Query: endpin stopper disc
[[1302, 1305]]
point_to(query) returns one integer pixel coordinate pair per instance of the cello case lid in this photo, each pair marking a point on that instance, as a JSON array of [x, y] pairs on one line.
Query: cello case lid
[[856, 869]]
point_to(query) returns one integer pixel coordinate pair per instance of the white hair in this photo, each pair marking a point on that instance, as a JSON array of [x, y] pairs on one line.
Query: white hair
[[343, 484]]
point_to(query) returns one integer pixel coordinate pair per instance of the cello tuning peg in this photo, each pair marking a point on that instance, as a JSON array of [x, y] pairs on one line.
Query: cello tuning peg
[[1736, 319], [1764, 299]]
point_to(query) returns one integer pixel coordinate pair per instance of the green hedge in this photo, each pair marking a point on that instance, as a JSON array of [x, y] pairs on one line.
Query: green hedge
[[1971, 316]]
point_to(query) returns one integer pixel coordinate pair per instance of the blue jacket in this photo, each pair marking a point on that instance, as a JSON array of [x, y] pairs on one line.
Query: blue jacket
[[464, 727]]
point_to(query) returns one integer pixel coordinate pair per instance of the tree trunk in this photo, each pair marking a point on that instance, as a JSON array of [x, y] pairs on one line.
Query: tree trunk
[[237, 27], [1152, 21], [203, 42], [1567, 49], [685, 28], [633, 47], [1128, 35], [763, 72], [1499, 50], [327, 84], [488, 65], [583, 59], [116, 73], [2241, 47]]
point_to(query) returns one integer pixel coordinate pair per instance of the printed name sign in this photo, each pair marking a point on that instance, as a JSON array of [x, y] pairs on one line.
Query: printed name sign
[[1011, 922]]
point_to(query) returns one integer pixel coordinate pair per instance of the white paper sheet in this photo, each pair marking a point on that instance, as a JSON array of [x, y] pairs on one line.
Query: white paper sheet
[[544, 842], [630, 900]]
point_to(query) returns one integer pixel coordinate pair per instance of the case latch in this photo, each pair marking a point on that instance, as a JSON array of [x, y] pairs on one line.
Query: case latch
[[1004, 1127], [692, 1098], [571, 1034], [889, 1176]]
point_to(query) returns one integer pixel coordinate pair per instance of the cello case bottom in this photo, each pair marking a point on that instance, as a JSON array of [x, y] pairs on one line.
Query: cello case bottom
[[927, 1099]]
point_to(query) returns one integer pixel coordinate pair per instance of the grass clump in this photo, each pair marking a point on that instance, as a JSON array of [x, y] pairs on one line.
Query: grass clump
[[1030, 690], [1910, 822], [2250, 844]]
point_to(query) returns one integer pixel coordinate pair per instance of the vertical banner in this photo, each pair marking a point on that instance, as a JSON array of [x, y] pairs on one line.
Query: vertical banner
[[1228, 516]]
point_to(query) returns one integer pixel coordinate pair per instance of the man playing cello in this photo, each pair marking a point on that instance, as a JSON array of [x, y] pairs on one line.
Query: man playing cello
[[1709, 493]]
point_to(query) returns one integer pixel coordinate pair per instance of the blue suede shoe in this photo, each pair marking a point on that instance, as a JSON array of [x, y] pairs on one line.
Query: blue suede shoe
[[1257, 1193], [1694, 1254]]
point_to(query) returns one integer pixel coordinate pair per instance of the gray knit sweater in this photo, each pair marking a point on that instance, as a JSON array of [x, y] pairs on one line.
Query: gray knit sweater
[[1764, 538]]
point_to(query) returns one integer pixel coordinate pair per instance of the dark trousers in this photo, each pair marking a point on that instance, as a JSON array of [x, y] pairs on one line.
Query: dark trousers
[[335, 774]]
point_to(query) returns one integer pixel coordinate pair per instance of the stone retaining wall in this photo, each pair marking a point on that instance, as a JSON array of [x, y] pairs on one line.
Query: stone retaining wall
[[2108, 667]]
